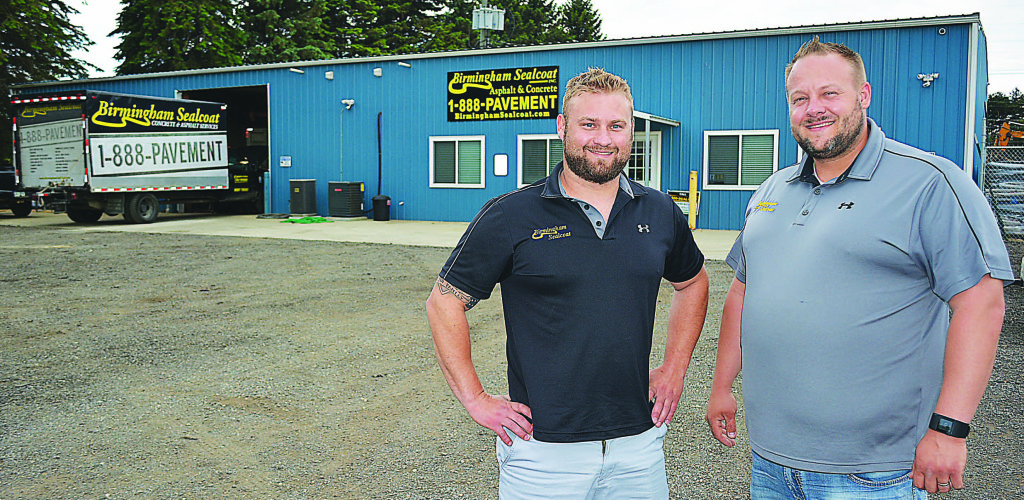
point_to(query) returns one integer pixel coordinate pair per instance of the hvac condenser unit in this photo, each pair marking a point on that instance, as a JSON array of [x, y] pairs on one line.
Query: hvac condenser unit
[[303, 197], [345, 199]]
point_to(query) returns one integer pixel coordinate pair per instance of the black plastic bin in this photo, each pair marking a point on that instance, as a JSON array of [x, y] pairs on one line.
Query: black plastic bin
[[381, 208]]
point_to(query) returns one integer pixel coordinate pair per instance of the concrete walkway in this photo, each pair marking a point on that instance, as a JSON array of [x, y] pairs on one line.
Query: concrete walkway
[[714, 244]]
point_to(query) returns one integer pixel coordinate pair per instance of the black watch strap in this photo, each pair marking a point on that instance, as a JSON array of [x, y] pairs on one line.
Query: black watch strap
[[949, 426]]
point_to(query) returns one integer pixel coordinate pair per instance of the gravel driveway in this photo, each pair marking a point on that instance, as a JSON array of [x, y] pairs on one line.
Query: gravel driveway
[[141, 366]]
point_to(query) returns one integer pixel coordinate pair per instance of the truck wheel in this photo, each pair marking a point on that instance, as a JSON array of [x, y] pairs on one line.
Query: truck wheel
[[22, 209], [84, 215], [143, 208]]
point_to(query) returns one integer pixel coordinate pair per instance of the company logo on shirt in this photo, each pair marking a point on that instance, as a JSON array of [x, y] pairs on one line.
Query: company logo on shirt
[[765, 206], [551, 233]]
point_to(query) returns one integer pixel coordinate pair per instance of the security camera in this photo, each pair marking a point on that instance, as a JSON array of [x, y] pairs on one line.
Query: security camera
[[348, 103]]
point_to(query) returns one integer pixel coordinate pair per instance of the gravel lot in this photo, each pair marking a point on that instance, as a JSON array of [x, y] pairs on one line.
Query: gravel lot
[[186, 367]]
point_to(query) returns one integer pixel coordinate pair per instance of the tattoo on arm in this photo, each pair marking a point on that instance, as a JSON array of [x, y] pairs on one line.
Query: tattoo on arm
[[446, 288]]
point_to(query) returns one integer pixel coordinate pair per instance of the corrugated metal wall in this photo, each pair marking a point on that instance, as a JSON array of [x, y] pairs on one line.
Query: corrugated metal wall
[[731, 82]]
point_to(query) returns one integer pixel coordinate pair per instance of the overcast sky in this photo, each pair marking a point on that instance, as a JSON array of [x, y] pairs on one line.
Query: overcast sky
[[1002, 21]]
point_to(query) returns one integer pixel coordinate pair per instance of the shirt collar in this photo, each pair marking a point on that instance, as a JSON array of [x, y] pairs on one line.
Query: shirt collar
[[553, 185], [861, 169]]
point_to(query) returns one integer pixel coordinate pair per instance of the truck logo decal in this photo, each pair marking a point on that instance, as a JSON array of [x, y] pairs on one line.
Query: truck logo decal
[[34, 111], [109, 115]]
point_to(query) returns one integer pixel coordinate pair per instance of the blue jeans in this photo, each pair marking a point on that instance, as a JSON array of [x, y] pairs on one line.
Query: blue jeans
[[630, 467], [771, 481]]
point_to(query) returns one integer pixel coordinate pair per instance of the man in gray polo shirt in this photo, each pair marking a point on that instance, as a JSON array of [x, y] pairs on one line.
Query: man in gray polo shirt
[[869, 288]]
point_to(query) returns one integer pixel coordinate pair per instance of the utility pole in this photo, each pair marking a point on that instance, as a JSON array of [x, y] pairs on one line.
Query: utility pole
[[486, 20]]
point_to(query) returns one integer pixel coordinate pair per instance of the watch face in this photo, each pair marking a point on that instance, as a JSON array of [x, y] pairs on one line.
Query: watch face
[[945, 426]]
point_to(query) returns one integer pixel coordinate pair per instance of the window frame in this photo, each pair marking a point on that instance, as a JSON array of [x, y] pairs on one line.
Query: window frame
[[459, 139], [705, 185], [519, 156], [638, 139]]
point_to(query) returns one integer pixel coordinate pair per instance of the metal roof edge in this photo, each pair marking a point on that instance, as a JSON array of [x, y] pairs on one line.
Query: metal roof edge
[[655, 118], [974, 18]]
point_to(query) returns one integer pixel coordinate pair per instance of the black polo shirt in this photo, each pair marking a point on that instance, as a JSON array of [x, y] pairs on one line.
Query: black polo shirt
[[579, 307]]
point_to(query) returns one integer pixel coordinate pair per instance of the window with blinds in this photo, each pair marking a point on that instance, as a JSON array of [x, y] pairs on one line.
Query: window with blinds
[[538, 156], [457, 162], [739, 159]]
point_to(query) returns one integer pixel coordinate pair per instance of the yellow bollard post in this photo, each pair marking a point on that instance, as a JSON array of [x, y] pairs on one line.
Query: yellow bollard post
[[694, 199]]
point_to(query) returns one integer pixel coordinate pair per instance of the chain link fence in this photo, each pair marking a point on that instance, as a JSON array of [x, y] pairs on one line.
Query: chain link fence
[[1004, 187]]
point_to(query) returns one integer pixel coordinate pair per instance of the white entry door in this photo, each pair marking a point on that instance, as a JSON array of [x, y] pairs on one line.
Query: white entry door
[[650, 176]]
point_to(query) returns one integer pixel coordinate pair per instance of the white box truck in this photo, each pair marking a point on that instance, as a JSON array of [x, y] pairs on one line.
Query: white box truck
[[88, 152]]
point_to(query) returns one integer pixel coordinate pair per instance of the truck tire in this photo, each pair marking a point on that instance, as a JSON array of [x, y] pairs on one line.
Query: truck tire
[[142, 208], [22, 209], [84, 215]]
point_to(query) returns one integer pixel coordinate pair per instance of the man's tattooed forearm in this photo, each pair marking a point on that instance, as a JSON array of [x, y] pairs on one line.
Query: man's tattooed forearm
[[446, 288]]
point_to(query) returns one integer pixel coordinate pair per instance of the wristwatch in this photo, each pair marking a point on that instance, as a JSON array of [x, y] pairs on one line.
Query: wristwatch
[[949, 426]]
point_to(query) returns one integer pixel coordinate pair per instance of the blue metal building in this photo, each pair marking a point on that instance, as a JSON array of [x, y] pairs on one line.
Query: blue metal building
[[709, 103]]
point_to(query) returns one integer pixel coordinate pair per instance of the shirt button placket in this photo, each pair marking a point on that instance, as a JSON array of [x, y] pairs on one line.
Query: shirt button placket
[[809, 204]]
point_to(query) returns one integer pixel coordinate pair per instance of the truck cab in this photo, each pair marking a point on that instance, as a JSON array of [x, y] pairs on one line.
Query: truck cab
[[12, 198]]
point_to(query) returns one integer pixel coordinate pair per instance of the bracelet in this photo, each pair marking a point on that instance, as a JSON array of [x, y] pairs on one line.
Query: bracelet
[[949, 426]]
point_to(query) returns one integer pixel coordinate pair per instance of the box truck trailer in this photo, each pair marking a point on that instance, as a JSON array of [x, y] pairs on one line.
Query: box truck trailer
[[88, 153]]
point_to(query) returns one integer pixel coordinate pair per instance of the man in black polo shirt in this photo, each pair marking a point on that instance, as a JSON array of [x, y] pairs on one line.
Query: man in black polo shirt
[[580, 257]]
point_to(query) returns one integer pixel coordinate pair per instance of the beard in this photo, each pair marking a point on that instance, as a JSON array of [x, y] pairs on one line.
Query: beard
[[850, 128], [598, 172]]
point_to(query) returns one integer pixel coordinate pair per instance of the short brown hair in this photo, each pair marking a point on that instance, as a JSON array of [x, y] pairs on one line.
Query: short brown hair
[[817, 47], [596, 81]]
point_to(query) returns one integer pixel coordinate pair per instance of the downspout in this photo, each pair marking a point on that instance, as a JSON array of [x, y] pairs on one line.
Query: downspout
[[379, 113]]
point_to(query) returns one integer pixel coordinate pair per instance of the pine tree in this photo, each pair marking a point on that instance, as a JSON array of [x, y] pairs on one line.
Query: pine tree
[[527, 22], [174, 35], [531, 22], [408, 23], [354, 28], [580, 21], [36, 41], [450, 28], [286, 30]]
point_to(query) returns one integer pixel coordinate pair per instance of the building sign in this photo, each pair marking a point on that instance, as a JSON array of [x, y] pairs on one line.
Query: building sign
[[503, 94]]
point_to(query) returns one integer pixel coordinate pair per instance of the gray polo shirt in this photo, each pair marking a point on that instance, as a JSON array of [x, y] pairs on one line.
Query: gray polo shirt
[[845, 312]]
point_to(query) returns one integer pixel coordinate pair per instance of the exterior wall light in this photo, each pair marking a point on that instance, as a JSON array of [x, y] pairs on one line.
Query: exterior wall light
[[927, 79]]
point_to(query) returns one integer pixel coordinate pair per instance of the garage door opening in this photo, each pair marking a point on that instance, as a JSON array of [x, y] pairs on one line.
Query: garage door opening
[[248, 127]]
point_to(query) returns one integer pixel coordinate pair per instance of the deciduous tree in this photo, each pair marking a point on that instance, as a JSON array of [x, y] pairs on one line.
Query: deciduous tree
[[36, 41], [1004, 108]]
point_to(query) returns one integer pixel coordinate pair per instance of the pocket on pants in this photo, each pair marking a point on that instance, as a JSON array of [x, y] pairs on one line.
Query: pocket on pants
[[662, 431], [881, 479], [503, 451]]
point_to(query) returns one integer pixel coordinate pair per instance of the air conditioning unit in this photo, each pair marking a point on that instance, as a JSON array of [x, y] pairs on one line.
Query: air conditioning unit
[[303, 197], [345, 199]]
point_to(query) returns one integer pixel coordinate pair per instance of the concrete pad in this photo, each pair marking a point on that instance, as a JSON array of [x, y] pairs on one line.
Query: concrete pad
[[714, 244]]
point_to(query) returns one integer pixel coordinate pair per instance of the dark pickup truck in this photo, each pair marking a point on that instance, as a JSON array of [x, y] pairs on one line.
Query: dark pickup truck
[[16, 201]]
